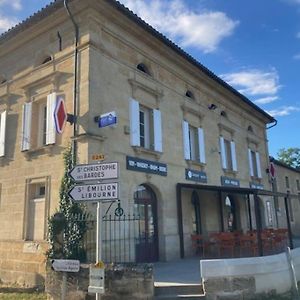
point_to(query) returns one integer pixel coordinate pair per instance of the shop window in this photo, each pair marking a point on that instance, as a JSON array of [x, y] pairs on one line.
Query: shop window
[[230, 214], [145, 127], [228, 154], [193, 140], [38, 123], [269, 213], [254, 163], [36, 211]]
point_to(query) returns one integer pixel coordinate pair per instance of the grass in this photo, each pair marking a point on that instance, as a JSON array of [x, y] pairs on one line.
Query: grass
[[23, 296]]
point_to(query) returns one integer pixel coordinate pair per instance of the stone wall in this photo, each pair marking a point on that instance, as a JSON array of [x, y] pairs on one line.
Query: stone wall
[[122, 281]]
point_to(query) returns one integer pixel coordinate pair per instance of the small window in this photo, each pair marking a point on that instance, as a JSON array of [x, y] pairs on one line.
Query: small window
[[194, 143], [189, 94], [298, 184], [142, 67], [228, 154], [250, 129], [47, 59], [287, 182], [146, 128], [223, 114]]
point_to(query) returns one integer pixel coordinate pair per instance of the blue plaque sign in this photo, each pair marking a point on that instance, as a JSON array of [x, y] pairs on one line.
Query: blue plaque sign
[[256, 186], [195, 175], [227, 181], [146, 166], [107, 119]]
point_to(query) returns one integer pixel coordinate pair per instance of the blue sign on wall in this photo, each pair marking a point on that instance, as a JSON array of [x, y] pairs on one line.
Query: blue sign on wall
[[147, 166], [107, 119], [195, 175]]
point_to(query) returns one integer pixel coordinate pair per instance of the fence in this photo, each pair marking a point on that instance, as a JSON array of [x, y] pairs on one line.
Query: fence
[[119, 237]]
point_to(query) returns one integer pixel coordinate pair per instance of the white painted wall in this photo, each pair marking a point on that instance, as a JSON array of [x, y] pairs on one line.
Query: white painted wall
[[270, 272]]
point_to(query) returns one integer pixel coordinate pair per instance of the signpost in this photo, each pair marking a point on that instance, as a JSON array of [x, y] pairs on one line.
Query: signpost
[[65, 265], [96, 192], [95, 171]]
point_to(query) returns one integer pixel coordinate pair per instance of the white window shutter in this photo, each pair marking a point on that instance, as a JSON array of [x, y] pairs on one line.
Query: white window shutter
[[134, 114], [50, 126], [201, 145], [26, 126], [250, 163], [233, 156], [223, 153], [258, 165], [2, 132], [186, 140], [157, 130]]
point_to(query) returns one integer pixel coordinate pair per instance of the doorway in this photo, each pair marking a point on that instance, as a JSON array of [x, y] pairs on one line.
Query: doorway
[[146, 245]]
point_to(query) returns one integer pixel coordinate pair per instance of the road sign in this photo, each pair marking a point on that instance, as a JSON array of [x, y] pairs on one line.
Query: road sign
[[65, 265], [95, 171], [95, 192], [60, 115], [107, 119]]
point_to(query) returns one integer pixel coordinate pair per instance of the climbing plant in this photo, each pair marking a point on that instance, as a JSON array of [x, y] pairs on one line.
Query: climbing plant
[[67, 227]]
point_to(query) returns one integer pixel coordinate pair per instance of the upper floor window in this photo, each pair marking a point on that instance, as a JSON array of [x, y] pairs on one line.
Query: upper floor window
[[250, 129], [298, 184], [38, 123], [189, 94], [254, 163], [142, 67], [193, 143], [145, 127], [3, 116], [228, 154], [287, 182]]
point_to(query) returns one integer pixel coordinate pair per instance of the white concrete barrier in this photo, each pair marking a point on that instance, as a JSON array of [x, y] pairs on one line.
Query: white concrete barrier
[[268, 273]]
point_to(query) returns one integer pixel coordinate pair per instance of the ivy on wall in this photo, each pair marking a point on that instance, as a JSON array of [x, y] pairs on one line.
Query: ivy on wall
[[66, 227]]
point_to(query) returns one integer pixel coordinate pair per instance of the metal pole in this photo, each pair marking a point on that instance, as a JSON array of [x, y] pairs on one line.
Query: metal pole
[[64, 286], [99, 238], [287, 213]]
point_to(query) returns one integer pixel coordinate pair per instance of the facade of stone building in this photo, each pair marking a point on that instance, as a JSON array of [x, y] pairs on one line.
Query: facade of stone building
[[192, 151], [287, 181]]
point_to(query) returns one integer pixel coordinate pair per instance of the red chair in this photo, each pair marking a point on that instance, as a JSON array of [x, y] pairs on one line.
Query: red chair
[[226, 243], [248, 243], [200, 245]]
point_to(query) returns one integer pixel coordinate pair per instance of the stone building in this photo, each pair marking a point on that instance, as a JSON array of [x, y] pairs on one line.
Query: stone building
[[192, 151], [287, 181]]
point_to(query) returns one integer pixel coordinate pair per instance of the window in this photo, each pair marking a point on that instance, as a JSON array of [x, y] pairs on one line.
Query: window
[[287, 182], [36, 210], [193, 143], [228, 154], [145, 127], [189, 94], [3, 116], [38, 123], [47, 59], [254, 164], [142, 67], [290, 207], [298, 184]]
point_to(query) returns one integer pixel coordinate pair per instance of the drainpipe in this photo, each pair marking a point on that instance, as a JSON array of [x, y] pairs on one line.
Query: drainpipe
[[75, 88]]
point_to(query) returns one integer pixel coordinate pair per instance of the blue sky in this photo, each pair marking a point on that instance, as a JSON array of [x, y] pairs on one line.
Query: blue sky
[[253, 45]]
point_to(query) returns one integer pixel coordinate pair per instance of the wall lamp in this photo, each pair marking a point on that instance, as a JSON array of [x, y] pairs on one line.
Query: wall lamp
[[212, 106]]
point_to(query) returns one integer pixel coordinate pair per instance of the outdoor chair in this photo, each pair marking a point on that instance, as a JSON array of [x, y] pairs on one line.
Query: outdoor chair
[[200, 244]]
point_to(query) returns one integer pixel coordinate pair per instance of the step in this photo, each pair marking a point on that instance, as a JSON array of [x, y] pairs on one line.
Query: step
[[179, 291]]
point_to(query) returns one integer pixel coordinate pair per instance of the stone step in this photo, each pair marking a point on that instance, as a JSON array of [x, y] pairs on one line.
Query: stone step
[[182, 291]]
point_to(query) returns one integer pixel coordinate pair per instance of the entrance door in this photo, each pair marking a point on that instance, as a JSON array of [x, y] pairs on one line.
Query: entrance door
[[147, 238]]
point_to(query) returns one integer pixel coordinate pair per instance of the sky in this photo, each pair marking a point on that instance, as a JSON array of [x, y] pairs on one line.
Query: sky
[[252, 45]]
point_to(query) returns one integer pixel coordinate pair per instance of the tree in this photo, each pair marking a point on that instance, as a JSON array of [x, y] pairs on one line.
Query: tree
[[67, 226], [290, 156]]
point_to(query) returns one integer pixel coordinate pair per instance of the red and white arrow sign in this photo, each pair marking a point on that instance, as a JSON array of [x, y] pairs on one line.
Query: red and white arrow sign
[[60, 115]]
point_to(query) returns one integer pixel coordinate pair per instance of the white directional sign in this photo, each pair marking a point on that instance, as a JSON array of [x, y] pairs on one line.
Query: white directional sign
[[95, 192], [65, 265], [95, 171]]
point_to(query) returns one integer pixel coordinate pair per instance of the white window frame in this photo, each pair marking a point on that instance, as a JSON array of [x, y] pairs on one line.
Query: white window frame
[[3, 120]]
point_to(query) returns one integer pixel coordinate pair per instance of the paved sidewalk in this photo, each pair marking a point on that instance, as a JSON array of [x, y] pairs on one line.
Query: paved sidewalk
[[184, 271]]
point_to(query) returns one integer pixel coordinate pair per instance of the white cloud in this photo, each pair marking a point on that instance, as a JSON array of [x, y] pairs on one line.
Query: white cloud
[[203, 30], [6, 23], [296, 56], [266, 100], [283, 111], [15, 4], [254, 82]]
